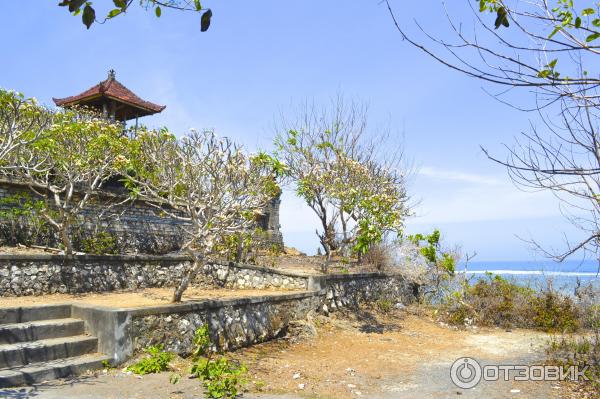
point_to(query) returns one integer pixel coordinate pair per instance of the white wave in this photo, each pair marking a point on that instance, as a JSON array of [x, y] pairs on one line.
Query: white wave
[[534, 273]]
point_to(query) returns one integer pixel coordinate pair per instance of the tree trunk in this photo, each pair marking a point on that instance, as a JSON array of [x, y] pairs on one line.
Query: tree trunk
[[66, 239], [185, 282]]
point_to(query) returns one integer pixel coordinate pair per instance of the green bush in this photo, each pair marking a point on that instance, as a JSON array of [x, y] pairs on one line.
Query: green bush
[[580, 351], [555, 313], [157, 361], [496, 301], [22, 220], [221, 377], [101, 243]]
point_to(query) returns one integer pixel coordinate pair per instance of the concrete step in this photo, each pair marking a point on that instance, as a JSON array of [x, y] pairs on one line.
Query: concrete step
[[25, 314], [23, 353], [42, 329], [38, 372]]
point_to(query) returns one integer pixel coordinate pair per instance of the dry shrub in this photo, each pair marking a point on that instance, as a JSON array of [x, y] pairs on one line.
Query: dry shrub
[[495, 301], [379, 257]]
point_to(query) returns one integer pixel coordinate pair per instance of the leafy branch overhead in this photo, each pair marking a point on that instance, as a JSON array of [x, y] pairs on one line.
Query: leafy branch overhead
[[88, 12], [550, 49]]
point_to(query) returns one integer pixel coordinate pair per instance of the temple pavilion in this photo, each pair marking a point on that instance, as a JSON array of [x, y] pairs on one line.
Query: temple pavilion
[[113, 100]]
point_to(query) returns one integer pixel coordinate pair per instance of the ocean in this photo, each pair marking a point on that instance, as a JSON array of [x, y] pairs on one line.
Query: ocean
[[564, 276]]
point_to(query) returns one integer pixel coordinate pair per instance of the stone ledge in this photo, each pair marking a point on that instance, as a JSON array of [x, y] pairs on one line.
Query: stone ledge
[[79, 258], [351, 276], [201, 304], [142, 258]]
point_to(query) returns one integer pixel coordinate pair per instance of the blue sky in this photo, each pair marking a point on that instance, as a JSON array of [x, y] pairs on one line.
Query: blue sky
[[261, 59]]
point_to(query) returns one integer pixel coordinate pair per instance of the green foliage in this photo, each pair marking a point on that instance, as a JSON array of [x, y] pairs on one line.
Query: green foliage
[[101, 242], [221, 377], [496, 301], [430, 248], [384, 305], [555, 313], [106, 365], [330, 173], [88, 15], [581, 24], [22, 214], [581, 351], [157, 361]]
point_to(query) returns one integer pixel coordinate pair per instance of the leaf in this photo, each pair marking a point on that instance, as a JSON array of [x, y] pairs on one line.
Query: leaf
[[592, 37], [205, 20], [158, 11], [578, 22], [544, 74], [587, 11], [482, 6], [113, 13], [501, 18], [75, 5], [555, 31], [552, 63], [89, 16], [198, 5]]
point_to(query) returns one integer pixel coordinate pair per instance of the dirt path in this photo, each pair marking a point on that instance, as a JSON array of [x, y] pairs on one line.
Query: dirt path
[[366, 356]]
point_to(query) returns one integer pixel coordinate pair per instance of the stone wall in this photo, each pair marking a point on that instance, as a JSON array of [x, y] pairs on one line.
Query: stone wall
[[250, 276], [349, 290], [22, 275], [233, 324], [137, 227]]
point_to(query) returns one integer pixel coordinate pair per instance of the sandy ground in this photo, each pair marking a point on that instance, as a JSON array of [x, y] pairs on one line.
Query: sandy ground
[[139, 298], [369, 356]]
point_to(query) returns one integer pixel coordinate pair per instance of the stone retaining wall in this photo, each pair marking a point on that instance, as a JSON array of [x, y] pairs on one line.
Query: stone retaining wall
[[233, 324], [22, 275], [349, 290]]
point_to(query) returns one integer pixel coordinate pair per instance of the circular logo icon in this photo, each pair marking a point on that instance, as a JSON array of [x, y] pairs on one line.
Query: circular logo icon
[[465, 372]]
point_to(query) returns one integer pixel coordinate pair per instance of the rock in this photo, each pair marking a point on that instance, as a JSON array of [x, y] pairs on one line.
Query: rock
[[296, 376], [301, 386]]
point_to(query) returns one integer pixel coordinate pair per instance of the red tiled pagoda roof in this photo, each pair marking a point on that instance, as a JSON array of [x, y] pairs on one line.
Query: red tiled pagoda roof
[[112, 89]]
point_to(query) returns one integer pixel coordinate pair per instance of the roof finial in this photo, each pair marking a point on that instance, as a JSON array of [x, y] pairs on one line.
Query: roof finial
[[111, 74]]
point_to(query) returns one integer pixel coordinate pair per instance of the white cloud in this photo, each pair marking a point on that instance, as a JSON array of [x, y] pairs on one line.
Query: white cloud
[[454, 196], [453, 175]]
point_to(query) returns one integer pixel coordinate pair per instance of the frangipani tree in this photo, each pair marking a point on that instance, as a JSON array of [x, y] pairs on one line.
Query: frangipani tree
[[204, 180], [69, 164], [357, 192], [374, 198], [22, 121]]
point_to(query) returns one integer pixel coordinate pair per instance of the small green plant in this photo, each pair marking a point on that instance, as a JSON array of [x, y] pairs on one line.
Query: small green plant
[[106, 365], [384, 305], [221, 377], [157, 361], [101, 242]]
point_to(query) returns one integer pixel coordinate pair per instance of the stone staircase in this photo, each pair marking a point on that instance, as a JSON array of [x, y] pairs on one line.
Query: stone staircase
[[44, 343]]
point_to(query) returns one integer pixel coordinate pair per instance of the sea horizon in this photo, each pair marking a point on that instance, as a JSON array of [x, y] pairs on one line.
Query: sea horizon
[[565, 276]]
